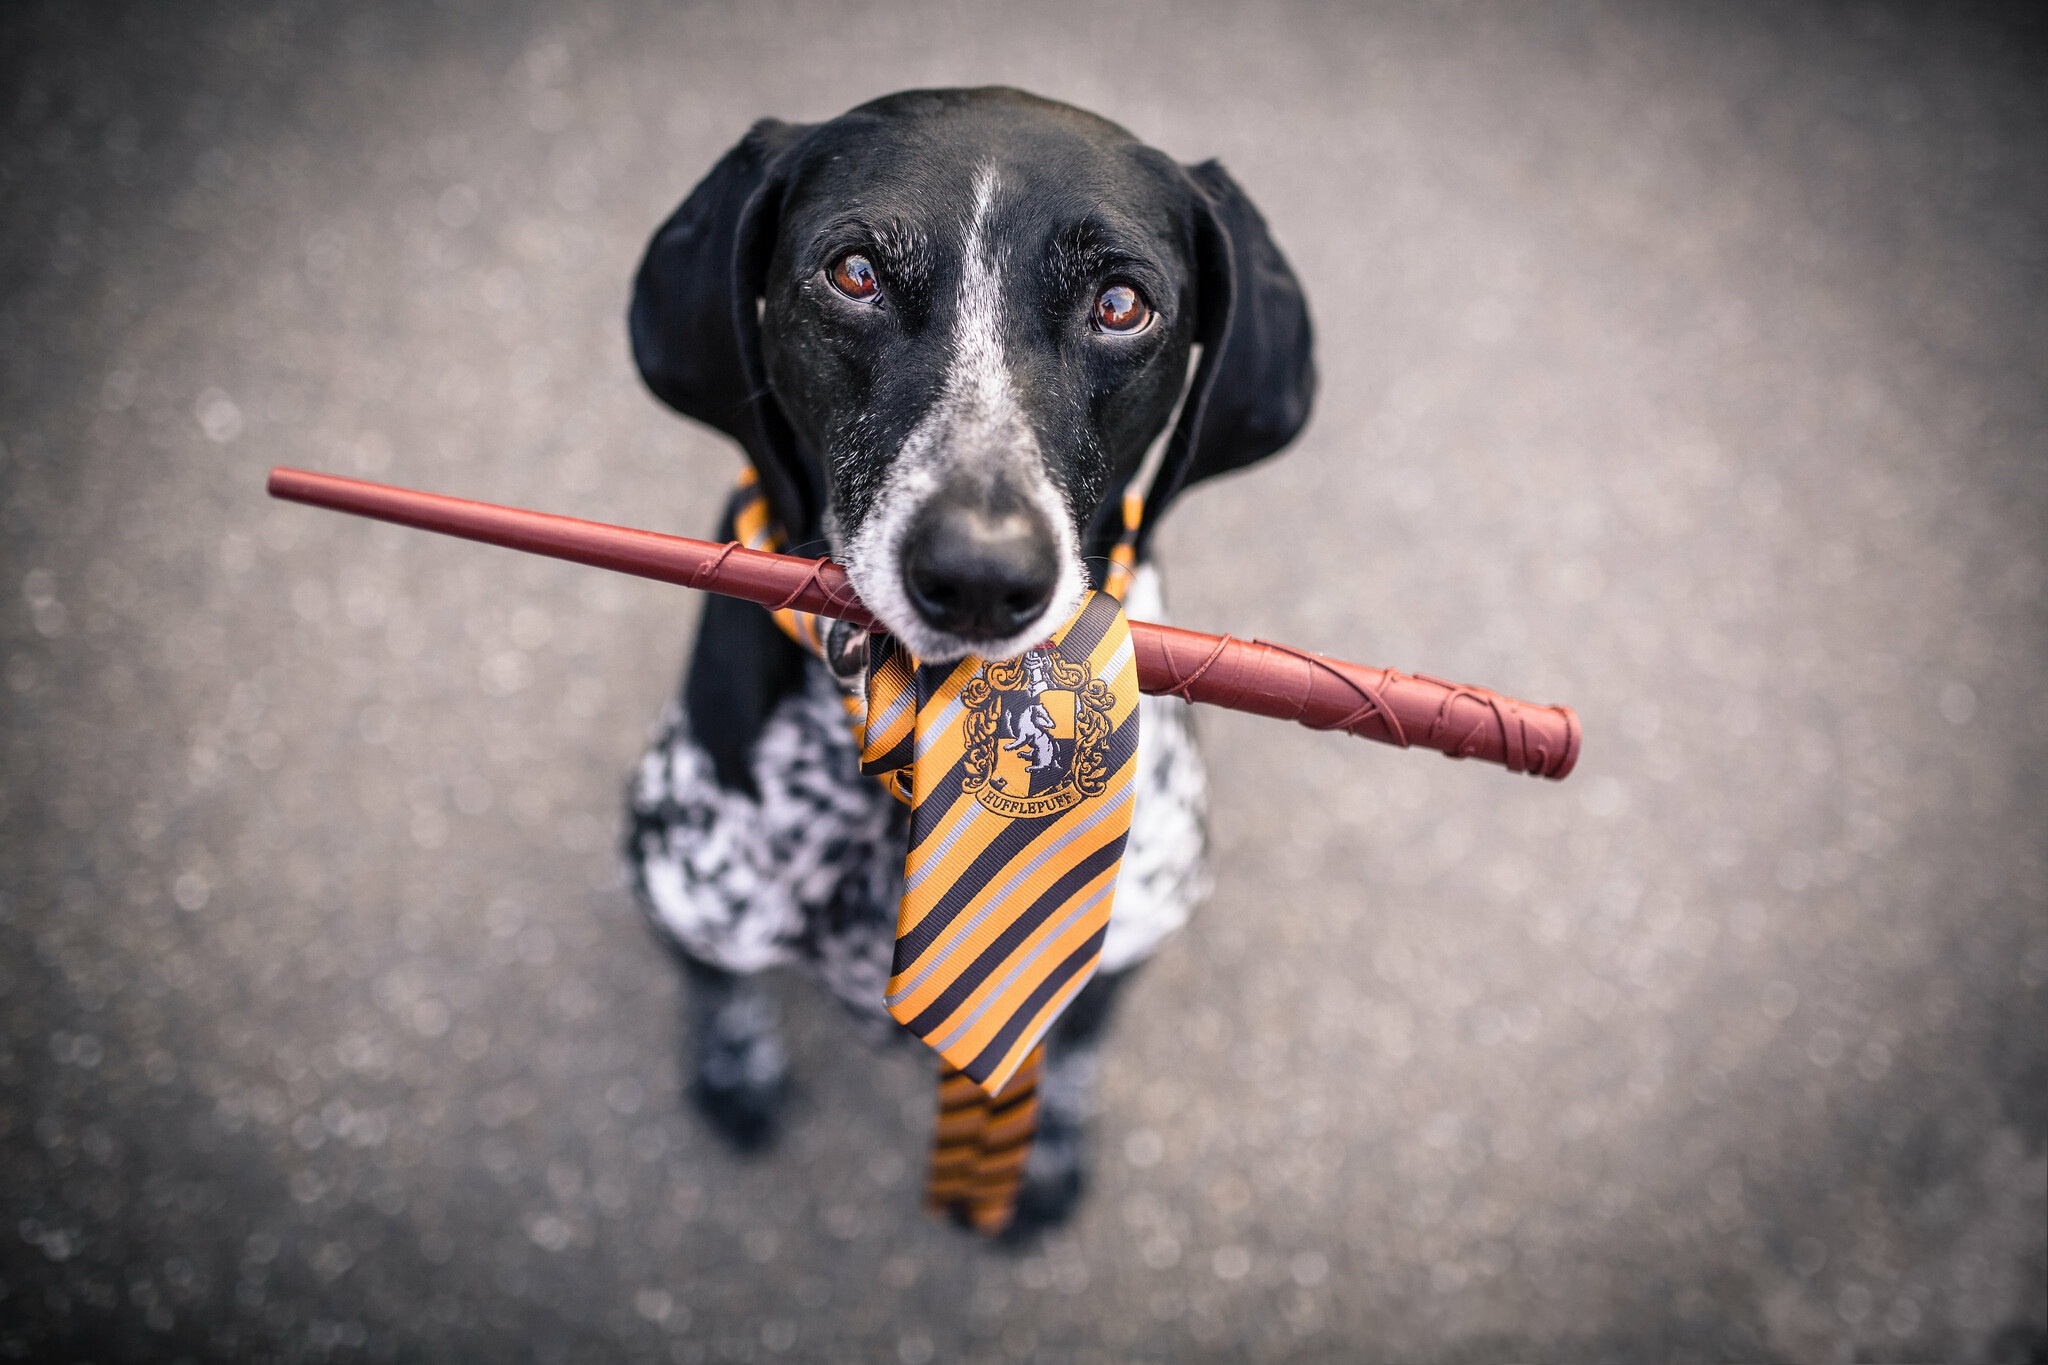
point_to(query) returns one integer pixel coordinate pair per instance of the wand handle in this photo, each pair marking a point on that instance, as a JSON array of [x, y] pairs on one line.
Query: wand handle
[[1244, 675], [1403, 709]]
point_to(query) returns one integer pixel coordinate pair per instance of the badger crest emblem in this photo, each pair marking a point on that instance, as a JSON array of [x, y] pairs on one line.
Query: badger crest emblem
[[1035, 729]]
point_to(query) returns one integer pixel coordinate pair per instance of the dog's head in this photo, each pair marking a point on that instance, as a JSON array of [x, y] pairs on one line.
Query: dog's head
[[948, 325]]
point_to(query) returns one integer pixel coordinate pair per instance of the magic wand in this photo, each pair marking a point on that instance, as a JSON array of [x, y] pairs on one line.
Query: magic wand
[[1403, 709]]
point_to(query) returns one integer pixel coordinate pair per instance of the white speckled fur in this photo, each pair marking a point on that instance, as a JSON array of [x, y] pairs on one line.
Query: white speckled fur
[[809, 875]]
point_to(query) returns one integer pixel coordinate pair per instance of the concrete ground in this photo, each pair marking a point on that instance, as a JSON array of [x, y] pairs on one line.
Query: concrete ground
[[1686, 364]]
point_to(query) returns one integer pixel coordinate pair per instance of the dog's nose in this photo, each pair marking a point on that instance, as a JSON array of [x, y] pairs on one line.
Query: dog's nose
[[978, 570]]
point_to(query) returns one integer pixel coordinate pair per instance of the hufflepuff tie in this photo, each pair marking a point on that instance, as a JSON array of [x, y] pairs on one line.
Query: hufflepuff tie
[[1018, 774], [1019, 777]]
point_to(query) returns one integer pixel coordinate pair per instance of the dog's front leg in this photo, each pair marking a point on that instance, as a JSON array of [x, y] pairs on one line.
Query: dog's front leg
[[735, 1045]]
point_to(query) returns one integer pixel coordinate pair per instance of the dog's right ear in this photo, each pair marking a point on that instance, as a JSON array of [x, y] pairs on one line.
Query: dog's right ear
[[1250, 394], [695, 318]]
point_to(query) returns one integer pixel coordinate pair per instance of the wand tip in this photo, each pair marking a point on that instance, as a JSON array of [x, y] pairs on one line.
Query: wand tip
[[294, 485]]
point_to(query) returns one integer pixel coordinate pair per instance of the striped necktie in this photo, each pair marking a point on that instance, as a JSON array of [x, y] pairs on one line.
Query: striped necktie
[[1018, 774], [980, 1143], [1019, 777]]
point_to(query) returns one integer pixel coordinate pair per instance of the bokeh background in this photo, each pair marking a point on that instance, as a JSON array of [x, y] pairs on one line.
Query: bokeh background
[[1683, 363]]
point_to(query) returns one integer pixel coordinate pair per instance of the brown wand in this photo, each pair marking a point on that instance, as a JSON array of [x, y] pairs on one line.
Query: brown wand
[[1245, 675]]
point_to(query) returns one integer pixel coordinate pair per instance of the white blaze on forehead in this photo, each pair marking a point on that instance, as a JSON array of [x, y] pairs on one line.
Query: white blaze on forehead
[[975, 428], [978, 383]]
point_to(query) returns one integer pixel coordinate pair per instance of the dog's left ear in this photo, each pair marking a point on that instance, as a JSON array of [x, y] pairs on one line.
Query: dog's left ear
[[695, 322], [1256, 379]]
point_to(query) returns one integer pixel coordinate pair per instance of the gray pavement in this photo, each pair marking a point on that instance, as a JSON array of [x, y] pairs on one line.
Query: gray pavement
[[1684, 364]]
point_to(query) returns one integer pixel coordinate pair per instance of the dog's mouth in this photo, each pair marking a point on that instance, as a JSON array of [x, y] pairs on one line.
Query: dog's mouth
[[951, 574]]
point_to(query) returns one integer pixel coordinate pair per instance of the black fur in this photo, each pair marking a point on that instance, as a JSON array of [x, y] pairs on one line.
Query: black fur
[[733, 325]]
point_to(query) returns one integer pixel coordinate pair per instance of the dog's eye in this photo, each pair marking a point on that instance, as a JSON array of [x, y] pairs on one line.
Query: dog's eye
[[1120, 308], [854, 276]]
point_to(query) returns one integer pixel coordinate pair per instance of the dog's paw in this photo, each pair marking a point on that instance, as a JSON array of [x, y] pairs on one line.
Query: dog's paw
[[1043, 1203], [742, 1080], [1055, 1178], [747, 1117]]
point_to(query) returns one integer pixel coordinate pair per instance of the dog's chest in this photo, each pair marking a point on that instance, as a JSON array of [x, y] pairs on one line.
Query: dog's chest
[[810, 873]]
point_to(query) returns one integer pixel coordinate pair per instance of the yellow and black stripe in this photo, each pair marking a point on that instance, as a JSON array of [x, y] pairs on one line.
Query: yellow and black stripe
[[1005, 904], [980, 1144], [1010, 875]]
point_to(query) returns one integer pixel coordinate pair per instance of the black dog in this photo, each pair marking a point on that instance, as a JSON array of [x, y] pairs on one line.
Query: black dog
[[947, 327]]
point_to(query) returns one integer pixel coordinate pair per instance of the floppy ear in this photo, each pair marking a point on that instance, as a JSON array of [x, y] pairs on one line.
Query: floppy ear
[[695, 319], [1256, 379]]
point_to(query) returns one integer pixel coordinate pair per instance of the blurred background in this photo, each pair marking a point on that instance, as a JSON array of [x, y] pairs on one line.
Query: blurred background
[[1685, 364]]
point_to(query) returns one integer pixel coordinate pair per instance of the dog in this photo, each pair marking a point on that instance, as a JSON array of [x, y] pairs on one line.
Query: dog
[[947, 328]]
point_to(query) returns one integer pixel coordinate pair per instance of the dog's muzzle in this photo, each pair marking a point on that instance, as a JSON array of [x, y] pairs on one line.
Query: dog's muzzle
[[979, 568]]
